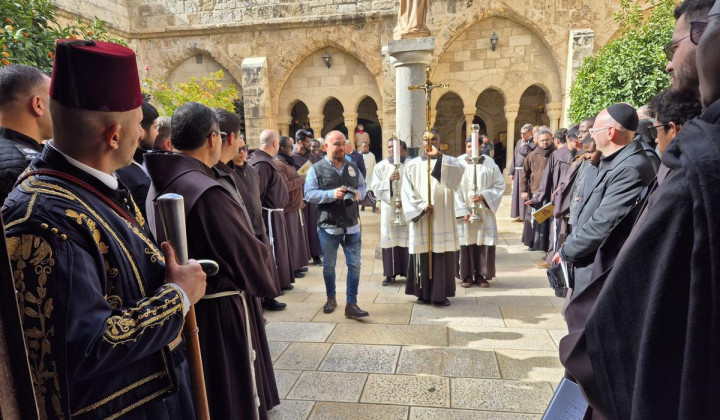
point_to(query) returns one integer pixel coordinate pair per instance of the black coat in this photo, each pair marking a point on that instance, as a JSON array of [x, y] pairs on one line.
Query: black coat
[[16, 152], [651, 344], [620, 179]]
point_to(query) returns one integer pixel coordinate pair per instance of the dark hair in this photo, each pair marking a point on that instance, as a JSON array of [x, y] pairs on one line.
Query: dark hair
[[301, 135], [150, 114], [693, 9], [17, 80], [229, 122], [643, 132], [668, 110], [572, 132], [191, 124], [403, 145], [561, 134], [284, 141]]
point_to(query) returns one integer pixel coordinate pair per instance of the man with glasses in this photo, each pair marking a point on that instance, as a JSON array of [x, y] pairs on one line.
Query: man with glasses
[[297, 238], [522, 148], [670, 116], [623, 172]]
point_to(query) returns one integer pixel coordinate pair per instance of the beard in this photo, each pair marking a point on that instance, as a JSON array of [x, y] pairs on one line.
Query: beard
[[338, 157], [686, 84]]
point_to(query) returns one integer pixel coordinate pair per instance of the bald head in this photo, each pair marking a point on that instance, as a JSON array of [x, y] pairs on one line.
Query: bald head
[[610, 135], [270, 142], [335, 143]]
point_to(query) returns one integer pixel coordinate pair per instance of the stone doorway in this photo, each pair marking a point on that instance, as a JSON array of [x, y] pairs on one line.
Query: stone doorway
[[368, 116], [299, 115], [532, 109], [450, 122], [333, 118]]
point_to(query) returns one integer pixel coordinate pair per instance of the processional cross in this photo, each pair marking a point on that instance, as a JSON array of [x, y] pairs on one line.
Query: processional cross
[[428, 87]]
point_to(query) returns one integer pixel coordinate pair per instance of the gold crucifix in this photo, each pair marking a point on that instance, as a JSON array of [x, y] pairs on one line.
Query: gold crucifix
[[428, 86]]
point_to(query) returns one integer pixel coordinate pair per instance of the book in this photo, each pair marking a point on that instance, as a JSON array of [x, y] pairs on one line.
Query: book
[[305, 168], [543, 213], [568, 403]]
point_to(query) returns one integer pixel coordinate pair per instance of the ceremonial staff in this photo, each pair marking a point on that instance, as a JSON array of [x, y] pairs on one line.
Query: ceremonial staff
[[428, 86], [172, 215]]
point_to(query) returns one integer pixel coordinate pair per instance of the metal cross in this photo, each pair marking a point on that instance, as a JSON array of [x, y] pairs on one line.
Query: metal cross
[[428, 86]]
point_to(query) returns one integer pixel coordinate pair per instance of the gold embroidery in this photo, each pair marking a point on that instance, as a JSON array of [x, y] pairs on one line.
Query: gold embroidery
[[138, 214], [114, 301], [36, 310], [153, 311], [29, 211], [119, 393], [155, 255]]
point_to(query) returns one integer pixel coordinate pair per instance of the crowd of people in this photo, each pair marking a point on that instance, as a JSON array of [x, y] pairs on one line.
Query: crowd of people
[[624, 202]]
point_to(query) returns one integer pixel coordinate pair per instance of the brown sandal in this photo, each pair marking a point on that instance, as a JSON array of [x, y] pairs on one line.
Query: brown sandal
[[466, 284]]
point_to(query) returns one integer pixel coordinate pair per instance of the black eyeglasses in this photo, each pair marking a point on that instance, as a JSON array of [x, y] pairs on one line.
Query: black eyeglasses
[[697, 28], [243, 149], [653, 130]]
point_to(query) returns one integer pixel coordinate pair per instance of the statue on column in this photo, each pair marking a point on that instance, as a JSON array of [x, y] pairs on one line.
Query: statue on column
[[411, 20]]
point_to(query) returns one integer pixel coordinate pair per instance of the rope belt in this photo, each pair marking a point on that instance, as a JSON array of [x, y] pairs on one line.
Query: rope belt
[[302, 222], [270, 229], [518, 168], [221, 294]]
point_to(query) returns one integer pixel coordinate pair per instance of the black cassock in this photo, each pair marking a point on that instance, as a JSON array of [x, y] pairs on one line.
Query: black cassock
[[99, 319], [217, 229]]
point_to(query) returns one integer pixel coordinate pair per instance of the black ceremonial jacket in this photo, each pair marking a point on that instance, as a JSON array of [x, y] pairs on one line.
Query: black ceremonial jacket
[[97, 316]]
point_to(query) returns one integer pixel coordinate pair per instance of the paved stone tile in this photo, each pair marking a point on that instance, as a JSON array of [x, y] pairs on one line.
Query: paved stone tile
[[557, 335], [276, 349], [425, 413], [390, 334], [407, 390], [302, 356], [295, 312], [532, 317], [293, 296], [394, 298], [291, 410], [298, 331], [361, 358], [328, 386], [457, 315], [449, 362], [533, 366], [557, 302], [349, 411], [509, 300], [500, 395], [285, 379], [398, 314], [501, 338]]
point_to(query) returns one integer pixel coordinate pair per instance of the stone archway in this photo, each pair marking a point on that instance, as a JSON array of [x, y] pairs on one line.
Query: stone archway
[[367, 111], [532, 108], [199, 66], [347, 80], [490, 105], [299, 118], [449, 122], [333, 118]]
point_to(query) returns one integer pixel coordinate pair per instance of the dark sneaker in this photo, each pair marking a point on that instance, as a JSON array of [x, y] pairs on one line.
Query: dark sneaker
[[299, 274], [317, 261], [422, 301], [388, 281], [303, 270], [353, 311], [330, 305], [273, 305], [445, 302], [288, 287]]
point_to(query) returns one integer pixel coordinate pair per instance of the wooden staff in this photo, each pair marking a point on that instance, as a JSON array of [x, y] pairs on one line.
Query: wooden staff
[[172, 214], [428, 86]]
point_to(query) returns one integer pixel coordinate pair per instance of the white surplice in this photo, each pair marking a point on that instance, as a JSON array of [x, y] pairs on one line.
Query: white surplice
[[386, 192], [415, 200], [491, 185]]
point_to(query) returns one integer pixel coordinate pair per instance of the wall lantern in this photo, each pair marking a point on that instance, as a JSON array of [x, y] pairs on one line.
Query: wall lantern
[[326, 59], [493, 40]]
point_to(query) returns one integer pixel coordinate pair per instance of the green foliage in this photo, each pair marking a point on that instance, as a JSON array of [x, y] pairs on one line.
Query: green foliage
[[30, 30], [628, 69], [208, 91]]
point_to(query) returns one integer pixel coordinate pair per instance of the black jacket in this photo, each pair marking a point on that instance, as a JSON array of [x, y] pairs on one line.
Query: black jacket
[[16, 152]]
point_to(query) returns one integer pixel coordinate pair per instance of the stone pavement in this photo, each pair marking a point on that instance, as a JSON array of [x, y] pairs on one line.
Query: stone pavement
[[492, 354]]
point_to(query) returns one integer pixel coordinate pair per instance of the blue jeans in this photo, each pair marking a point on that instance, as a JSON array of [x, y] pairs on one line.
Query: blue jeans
[[351, 244]]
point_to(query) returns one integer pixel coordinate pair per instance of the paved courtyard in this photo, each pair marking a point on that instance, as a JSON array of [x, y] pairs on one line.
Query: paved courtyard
[[491, 355]]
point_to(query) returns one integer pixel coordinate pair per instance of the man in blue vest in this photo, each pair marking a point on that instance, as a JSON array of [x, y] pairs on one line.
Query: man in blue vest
[[336, 185]]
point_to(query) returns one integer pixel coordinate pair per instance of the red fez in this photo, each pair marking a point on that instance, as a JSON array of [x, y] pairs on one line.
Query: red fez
[[95, 75]]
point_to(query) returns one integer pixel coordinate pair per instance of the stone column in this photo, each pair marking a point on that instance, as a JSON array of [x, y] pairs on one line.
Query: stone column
[[469, 117], [316, 123], [554, 112], [580, 45], [284, 125], [511, 113], [433, 117], [351, 124], [256, 97], [410, 58]]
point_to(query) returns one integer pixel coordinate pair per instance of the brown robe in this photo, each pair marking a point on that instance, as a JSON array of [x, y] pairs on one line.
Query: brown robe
[[310, 212], [217, 229], [522, 149], [535, 235], [274, 197], [297, 236]]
